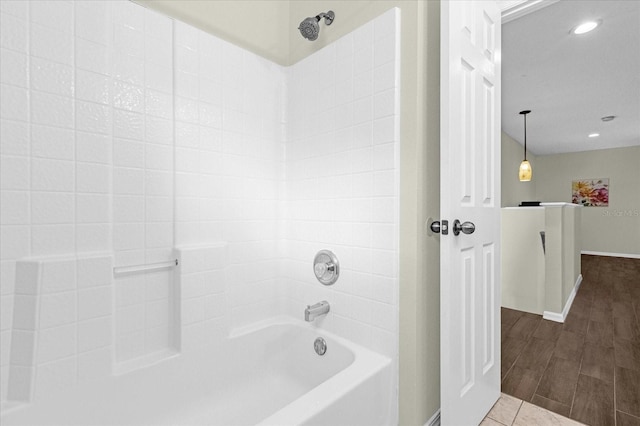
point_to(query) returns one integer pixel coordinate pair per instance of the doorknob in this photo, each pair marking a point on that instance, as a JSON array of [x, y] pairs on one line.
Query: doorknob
[[466, 227]]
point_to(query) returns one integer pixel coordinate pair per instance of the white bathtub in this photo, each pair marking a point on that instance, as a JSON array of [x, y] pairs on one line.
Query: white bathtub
[[268, 374]]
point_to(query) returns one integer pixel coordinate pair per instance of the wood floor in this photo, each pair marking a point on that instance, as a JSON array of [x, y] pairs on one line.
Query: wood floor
[[588, 368]]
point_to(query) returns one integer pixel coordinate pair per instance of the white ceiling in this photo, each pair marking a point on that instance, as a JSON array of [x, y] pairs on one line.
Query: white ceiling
[[569, 82]]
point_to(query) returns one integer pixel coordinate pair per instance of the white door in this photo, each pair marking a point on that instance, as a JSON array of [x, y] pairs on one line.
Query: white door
[[470, 192]]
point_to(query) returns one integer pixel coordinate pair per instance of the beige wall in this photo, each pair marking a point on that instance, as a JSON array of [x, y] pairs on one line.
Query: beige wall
[[256, 25], [269, 28], [514, 191], [612, 229]]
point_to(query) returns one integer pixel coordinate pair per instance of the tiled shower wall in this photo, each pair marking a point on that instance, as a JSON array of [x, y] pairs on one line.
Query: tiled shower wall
[[126, 135], [342, 182], [229, 155]]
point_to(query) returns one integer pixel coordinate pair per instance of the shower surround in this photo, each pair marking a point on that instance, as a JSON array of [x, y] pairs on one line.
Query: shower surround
[[129, 138]]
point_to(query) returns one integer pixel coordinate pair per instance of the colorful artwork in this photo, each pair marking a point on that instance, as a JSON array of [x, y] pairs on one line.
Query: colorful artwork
[[590, 192]]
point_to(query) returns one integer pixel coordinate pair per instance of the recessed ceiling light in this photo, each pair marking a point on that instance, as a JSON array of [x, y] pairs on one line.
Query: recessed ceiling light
[[585, 27], [594, 135]]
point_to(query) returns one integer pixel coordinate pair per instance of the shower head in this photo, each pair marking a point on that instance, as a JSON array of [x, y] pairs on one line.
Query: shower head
[[309, 28]]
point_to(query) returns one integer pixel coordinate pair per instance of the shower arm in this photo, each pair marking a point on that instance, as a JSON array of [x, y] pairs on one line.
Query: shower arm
[[328, 17]]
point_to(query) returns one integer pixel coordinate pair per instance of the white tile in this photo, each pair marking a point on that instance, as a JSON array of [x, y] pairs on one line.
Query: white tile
[[55, 15], [93, 237], [384, 25], [21, 379], [128, 68], [51, 110], [193, 310], [128, 125], [159, 209], [95, 178], [13, 33], [384, 130], [384, 50], [129, 15], [159, 235], [6, 316], [128, 97], [92, 56], [57, 309], [51, 44], [156, 339], [51, 77], [128, 236], [384, 157], [52, 175], [14, 208], [159, 104], [158, 77], [13, 68], [48, 207], [128, 41], [158, 183], [384, 77], [158, 25], [128, 181], [93, 208], [14, 137], [93, 118], [14, 103], [159, 157], [56, 343], [92, 86], [94, 271], [128, 153], [52, 239], [130, 291], [22, 347], [186, 35], [5, 347], [14, 174], [55, 377], [17, 8], [58, 275], [129, 319], [93, 148], [94, 302], [94, 365], [159, 131], [158, 51], [52, 142], [94, 334], [384, 104], [27, 277], [92, 21], [157, 314], [128, 208]]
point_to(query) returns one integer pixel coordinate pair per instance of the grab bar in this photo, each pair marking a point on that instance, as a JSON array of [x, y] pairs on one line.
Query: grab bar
[[132, 269]]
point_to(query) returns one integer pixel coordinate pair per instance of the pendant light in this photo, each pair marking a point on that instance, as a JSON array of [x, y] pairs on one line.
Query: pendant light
[[525, 172]]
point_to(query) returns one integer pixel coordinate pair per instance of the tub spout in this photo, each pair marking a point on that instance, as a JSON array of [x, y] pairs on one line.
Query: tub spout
[[314, 311]]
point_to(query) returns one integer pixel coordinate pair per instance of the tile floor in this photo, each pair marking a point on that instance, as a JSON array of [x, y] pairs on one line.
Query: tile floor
[[510, 411], [587, 369]]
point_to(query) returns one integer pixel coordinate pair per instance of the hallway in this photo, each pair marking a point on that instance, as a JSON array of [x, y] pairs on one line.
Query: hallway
[[588, 368]]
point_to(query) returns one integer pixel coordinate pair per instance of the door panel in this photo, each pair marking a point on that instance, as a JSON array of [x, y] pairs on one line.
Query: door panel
[[470, 191]]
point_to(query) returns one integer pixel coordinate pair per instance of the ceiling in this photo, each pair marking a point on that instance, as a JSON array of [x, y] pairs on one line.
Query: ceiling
[[568, 81]]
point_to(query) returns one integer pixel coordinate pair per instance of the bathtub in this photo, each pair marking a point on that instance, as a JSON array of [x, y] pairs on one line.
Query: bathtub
[[265, 374]]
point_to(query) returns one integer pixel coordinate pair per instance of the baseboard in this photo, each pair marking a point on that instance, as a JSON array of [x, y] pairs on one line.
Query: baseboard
[[603, 253], [560, 317], [434, 420]]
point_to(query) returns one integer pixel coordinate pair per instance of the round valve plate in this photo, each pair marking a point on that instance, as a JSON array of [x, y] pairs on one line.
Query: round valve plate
[[326, 267]]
